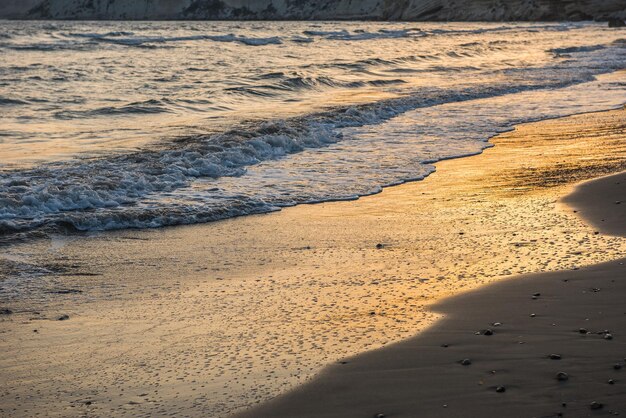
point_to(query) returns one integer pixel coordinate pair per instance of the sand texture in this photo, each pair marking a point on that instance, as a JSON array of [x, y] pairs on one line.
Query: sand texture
[[542, 345], [207, 320]]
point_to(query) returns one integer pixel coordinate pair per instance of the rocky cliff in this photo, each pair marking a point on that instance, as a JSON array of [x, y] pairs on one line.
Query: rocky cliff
[[462, 10]]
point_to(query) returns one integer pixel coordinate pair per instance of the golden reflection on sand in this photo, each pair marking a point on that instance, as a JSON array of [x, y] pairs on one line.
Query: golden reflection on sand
[[203, 319]]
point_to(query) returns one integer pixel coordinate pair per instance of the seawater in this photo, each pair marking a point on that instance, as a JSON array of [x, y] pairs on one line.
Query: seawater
[[111, 125]]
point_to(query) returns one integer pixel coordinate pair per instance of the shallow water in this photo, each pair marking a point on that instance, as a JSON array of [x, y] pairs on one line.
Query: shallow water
[[146, 124]]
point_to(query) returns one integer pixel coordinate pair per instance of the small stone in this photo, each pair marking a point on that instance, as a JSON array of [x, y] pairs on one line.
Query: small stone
[[562, 376], [596, 405], [5, 311], [554, 357], [500, 389], [445, 345], [63, 317], [537, 294], [488, 332], [379, 246], [608, 336], [532, 315], [611, 382], [466, 362], [617, 366], [583, 331], [497, 324], [380, 415]]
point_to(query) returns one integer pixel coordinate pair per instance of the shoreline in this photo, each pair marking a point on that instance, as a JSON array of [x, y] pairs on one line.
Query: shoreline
[[547, 344], [191, 320]]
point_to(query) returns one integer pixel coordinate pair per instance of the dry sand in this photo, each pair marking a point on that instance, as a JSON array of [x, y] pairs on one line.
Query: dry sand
[[542, 345], [208, 319]]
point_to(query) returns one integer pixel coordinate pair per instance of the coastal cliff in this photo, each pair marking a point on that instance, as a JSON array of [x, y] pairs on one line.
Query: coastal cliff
[[438, 10]]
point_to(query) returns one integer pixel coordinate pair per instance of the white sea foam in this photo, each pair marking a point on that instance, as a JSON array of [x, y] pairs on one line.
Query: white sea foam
[[343, 152]]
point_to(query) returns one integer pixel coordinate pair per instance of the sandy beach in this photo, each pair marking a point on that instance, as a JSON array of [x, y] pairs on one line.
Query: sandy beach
[[540, 345], [209, 320]]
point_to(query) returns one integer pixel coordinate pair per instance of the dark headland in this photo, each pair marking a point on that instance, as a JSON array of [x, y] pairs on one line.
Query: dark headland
[[409, 10]]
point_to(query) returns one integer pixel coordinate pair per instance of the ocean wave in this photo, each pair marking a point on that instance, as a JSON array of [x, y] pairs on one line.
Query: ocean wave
[[87, 41], [74, 40], [128, 39], [301, 39], [100, 35], [575, 49], [254, 166], [138, 190], [285, 82], [49, 46], [362, 35], [144, 107], [7, 101], [559, 27], [473, 49]]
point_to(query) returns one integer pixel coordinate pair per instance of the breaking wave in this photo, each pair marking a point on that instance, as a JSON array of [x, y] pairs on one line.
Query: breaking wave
[[335, 151]]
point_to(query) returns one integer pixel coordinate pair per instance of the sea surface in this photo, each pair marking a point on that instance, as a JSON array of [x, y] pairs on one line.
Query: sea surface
[[112, 125]]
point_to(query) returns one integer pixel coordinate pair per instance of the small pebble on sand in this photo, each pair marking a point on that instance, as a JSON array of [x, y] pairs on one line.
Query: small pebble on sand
[[596, 405], [562, 377]]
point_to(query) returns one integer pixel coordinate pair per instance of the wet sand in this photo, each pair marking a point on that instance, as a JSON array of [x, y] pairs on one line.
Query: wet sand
[[209, 319], [541, 345]]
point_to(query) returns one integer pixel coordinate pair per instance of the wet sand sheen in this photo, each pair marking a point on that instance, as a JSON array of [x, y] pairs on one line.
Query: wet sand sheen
[[206, 319], [542, 345]]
